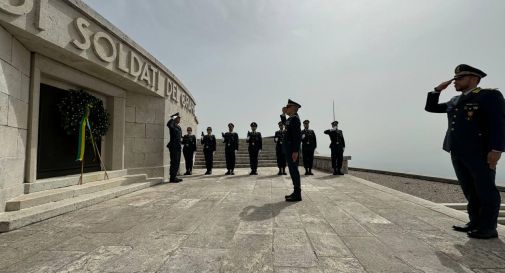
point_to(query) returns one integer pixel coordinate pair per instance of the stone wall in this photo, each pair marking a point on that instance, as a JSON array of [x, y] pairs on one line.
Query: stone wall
[[146, 134], [324, 163], [14, 96]]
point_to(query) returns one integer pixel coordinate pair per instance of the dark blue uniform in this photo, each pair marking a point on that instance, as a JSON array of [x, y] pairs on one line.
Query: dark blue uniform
[[231, 145], [188, 149], [255, 142], [476, 127], [209, 147], [174, 147], [279, 152], [309, 145], [337, 146], [292, 140]]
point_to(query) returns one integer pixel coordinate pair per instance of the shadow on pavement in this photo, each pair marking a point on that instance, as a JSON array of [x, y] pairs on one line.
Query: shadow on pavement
[[267, 211]]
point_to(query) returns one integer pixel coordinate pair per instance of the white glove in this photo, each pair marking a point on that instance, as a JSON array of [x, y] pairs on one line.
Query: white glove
[[303, 136]]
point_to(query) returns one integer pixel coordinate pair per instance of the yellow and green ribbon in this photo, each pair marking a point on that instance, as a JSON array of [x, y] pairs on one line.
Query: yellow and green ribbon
[[82, 135]]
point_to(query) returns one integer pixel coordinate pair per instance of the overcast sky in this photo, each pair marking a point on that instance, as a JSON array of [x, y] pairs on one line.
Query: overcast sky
[[242, 60]]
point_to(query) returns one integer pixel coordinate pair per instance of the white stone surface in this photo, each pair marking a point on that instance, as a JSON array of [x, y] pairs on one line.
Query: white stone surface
[[11, 172], [8, 142], [135, 129], [20, 57], [5, 45], [10, 80], [130, 114], [154, 131], [18, 113], [4, 108]]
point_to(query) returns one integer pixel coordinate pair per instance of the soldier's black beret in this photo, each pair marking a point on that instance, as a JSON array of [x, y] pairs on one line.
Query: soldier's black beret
[[209, 128], [290, 102], [334, 123], [254, 124], [464, 70], [231, 124], [189, 128], [306, 121], [176, 115]]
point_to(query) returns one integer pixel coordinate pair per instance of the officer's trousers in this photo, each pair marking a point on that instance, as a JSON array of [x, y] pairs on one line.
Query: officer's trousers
[[188, 158], [308, 158], [230, 159], [477, 181], [209, 159], [293, 172], [253, 159], [175, 160], [337, 158], [281, 157]]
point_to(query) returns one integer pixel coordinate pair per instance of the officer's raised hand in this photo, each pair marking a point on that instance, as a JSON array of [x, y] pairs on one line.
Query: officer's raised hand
[[441, 87]]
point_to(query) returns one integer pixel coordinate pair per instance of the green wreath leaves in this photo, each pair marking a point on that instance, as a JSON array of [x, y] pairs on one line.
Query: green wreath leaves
[[72, 108]]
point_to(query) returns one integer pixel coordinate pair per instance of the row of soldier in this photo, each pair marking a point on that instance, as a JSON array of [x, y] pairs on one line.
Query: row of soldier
[[255, 145]]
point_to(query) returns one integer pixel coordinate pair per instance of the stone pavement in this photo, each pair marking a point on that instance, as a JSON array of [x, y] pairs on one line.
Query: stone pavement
[[242, 224]]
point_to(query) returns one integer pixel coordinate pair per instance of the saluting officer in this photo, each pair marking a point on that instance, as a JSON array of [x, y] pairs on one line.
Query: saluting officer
[[337, 147], [309, 145], [209, 147], [230, 139], [189, 149], [292, 140], [255, 146], [281, 157], [174, 146], [475, 139]]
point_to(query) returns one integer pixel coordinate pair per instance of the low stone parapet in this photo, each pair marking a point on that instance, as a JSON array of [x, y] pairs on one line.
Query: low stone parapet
[[324, 163]]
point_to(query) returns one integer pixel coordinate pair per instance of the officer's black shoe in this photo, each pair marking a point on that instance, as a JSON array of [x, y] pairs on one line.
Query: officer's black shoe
[[335, 173], [483, 234], [187, 173], [340, 173], [288, 196], [280, 172], [463, 228], [284, 171], [175, 180], [251, 173], [294, 198], [208, 172], [228, 172], [232, 173]]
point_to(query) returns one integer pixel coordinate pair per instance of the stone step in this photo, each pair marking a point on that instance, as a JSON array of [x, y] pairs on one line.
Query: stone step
[[16, 219], [70, 180], [462, 206], [43, 197], [237, 166]]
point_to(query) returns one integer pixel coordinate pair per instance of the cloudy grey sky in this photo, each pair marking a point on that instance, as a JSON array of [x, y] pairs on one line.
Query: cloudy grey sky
[[242, 60]]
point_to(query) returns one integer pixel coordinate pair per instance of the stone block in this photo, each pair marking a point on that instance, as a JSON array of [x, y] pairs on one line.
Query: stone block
[[10, 80], [25, 88], [18, 113], [154, 159], [154, 131], [4, 108], [144, 115], [22, 142], [20, 57], [8, 141], [135, 130], [5, 45], [11, 172], [130, 114]]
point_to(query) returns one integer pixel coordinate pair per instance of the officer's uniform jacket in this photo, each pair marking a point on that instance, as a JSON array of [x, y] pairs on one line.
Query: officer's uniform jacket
[[175, 135], [476, 122], [279, 138], [209, 143], [308, 139], [292, 138], [336, 138], [189, 143], [255, 141], [230, 141]]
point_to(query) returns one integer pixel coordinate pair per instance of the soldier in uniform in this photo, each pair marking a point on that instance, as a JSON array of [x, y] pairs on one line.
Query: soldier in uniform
[[189, 149], [255, 145], [281, 157], [174, 146], [309, 145], [230, 139], [209, 147], [292, 140], [475, 139], [337, 147]]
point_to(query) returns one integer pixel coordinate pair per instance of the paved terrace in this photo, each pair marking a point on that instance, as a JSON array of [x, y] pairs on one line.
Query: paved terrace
[[242, 224]]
